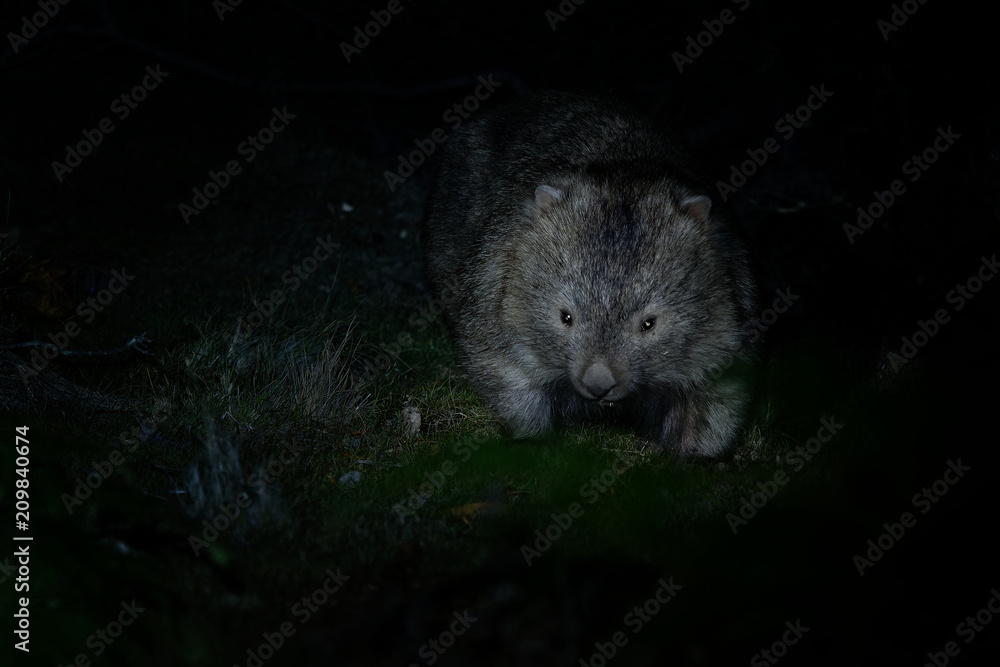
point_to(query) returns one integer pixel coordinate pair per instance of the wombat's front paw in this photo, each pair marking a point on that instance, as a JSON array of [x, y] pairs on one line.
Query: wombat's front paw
[[705, 424], [525, 413]]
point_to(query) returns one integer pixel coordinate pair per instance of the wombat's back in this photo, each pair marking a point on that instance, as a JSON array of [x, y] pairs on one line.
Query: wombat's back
[[494, 162]]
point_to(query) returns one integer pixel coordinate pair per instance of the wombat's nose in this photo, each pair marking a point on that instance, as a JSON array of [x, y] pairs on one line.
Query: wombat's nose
[[598, 380]]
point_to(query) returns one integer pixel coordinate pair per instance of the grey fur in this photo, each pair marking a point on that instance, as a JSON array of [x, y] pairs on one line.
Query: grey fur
[[572, 205]]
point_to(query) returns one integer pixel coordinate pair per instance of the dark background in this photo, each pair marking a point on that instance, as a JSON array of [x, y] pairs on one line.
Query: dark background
[[352, 120]]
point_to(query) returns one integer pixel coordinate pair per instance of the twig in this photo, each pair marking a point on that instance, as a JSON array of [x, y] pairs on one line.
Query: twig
[[137, 344]]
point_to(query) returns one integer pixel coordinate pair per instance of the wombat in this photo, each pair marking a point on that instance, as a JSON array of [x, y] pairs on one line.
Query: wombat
[[585, 274]]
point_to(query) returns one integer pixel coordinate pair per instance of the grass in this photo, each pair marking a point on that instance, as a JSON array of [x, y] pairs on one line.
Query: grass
[[208, 420], [326, 392]]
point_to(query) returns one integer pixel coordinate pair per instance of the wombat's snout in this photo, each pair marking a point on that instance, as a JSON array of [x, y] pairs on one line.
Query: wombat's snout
[[597, 381]]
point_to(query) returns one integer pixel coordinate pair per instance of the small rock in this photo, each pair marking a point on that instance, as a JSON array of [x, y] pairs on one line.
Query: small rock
[[351, 478], [411, 421]]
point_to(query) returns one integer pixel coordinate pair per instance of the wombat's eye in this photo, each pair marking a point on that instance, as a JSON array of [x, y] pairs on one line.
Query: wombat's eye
[[566, 318], [648, 323]]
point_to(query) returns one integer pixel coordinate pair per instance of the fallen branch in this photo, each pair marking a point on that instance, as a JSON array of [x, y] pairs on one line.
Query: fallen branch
[[137, 344]]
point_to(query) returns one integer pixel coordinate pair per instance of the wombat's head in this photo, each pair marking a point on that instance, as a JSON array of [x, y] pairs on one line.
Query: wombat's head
[[619, 288]]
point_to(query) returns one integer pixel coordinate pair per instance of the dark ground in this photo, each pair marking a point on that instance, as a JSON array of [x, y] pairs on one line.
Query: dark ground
[[323, 176]]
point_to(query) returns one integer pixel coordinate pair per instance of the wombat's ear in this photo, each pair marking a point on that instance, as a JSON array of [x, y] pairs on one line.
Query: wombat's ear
[[546, 196], [697, 207]]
